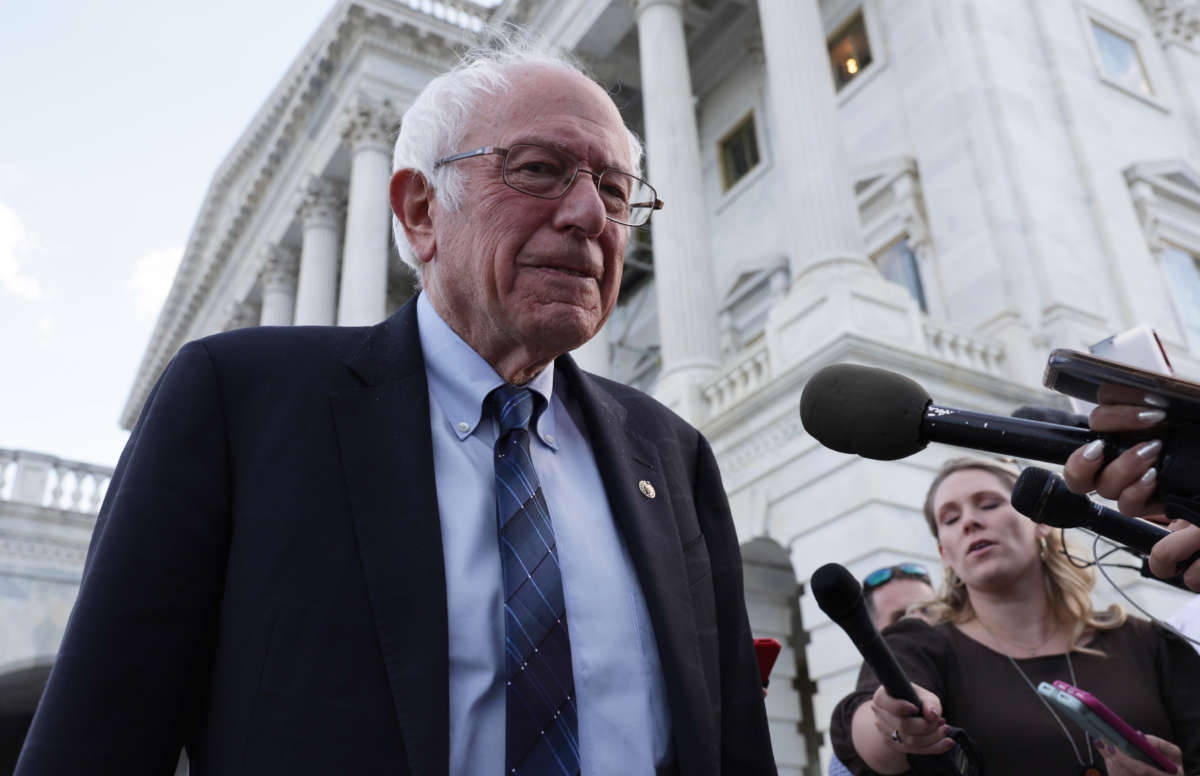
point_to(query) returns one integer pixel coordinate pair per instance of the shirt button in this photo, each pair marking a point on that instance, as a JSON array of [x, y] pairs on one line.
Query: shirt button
[[464, 427]]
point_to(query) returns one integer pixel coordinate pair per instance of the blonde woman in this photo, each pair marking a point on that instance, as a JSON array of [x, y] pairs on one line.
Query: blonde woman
[[1014, 611]]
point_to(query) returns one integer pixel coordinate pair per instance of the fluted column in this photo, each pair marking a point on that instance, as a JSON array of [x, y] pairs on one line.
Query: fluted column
[[279, 285], [821, 220], [368, 128], [684, 280], [321, 211], [240, 313]]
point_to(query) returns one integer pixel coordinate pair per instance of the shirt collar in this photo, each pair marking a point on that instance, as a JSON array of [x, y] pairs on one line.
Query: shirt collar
[[460, 379]]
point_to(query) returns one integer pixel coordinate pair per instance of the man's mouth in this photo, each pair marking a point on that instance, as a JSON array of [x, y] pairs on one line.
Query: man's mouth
[[568, 272]]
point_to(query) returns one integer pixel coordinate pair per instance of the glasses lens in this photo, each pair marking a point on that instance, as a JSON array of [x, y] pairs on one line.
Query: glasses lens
[[640, 200], [877, 577], [536, 170], [914, 570]]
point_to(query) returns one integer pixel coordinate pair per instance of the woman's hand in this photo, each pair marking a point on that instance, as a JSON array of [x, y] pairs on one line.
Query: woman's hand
[[1120, 764], [885, 730], [1131, 478], [1169, 551], [904, 732]]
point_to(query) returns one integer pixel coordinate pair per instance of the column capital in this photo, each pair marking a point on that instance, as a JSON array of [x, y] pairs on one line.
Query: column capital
[[369, 122], [641, 5], [322, 202], [239, 314], [280, 267], [1174, 21]]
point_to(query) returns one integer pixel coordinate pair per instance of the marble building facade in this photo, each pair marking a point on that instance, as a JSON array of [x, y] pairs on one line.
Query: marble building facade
[[944, 188]]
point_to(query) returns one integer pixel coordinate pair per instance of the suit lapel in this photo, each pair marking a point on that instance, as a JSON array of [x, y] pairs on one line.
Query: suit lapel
[[625, 458], [387, 460]]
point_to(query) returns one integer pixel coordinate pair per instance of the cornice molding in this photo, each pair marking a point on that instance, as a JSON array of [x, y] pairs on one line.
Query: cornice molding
[[1174, 21]]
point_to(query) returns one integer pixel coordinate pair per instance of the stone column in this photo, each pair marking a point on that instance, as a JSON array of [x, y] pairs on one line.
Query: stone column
[[684, 282], [321, 210], [279, 285], [368, 128], [821, 222]]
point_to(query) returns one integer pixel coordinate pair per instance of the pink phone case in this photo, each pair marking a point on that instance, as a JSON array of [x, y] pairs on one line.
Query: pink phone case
[[1119, 726]]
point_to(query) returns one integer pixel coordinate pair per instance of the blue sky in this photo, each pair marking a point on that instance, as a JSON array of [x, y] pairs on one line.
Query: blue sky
[[114, 117]]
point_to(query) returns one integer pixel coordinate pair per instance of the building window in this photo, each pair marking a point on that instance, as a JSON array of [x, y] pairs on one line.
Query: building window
[[898, 263], [1183, 278], [1120, 61], [739, 152], [849, 50]]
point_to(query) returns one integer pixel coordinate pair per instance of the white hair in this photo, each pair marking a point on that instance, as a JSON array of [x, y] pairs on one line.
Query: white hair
[[436, 121]]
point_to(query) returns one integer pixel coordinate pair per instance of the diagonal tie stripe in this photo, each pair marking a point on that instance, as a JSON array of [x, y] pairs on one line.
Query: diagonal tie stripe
[[541, 722]]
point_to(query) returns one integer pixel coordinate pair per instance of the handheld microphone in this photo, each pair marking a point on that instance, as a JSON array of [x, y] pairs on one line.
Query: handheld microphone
[[883, 415], [1043, 497], [840, 596]]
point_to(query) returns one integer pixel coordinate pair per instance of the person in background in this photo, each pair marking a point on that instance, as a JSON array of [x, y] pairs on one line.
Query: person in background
[[1013, 611], [891, 590]]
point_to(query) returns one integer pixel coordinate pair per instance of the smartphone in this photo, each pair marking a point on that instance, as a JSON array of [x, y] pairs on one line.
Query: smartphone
[[1100, 722], [767, 650], [1095, 379], [1139, 347]]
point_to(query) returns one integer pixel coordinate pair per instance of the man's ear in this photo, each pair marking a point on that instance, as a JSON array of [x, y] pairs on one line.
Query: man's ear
[[412, 199]]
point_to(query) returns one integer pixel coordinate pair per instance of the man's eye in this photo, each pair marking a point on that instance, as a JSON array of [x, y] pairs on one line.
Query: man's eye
[[947, 519], [991, 504], [538, 168], [615, 193]]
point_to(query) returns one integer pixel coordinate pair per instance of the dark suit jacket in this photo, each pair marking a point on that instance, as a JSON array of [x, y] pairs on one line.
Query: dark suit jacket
[[265, 582]]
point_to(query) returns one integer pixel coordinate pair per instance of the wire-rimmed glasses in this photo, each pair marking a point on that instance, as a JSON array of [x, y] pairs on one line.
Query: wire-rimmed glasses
[[547, 173]]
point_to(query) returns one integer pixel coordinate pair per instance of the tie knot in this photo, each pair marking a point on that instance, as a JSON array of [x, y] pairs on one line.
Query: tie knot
[[513, 407]]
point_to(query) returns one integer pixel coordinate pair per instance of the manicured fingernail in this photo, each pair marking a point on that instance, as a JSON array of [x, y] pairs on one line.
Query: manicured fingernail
[[1150, 417], [1154, 400], [944, 730], [1149, 477], [1093, 449], [1150, 449]]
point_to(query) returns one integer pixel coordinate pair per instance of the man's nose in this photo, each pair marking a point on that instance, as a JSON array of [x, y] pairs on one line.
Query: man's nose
[[581, 207]]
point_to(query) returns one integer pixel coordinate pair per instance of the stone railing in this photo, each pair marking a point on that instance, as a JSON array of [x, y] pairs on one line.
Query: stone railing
[[747, 374], [461, 13], [970, 351], [52, 483]]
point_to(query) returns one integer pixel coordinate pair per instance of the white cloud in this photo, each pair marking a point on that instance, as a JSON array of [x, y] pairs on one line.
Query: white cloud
[[47, 326], [16, 243], [152, 277]]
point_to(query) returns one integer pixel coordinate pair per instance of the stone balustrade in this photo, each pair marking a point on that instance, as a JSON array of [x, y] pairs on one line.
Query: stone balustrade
[[967, 350], [52, 483], [745, 375]]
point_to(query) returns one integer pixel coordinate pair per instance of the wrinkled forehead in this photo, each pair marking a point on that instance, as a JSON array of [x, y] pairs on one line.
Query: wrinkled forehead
[[556, 106]]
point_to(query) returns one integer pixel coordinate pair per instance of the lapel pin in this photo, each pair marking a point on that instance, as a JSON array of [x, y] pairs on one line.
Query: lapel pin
[[646, 488]]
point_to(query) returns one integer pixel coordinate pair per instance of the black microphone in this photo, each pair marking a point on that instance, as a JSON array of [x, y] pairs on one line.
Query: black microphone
[[883, 415], [840, 596], [1051, 415], [1043, 497]]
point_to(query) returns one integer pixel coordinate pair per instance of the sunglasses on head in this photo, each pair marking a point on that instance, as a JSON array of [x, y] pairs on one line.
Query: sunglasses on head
[[884, 575]]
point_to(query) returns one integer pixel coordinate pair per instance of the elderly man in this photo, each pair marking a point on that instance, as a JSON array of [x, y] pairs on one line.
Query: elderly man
[[435, 545]]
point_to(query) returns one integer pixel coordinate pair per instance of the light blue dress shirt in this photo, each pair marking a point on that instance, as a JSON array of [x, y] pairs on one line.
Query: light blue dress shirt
[[624, 725]]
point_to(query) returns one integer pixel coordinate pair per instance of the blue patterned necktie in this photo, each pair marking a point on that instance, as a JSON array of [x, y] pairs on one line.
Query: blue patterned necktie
[[542, 727]]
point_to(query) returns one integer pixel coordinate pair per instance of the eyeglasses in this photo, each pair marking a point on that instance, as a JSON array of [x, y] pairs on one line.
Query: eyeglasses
[[880, 577], [546, 173]]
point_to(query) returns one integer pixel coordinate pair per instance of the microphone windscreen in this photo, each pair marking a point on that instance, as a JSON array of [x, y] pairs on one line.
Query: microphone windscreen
[[1051, 415], [840, 596], [864, 411]]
